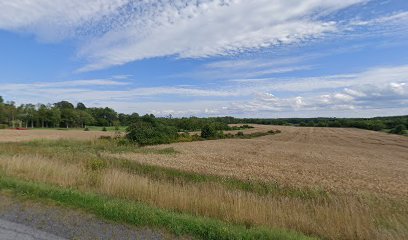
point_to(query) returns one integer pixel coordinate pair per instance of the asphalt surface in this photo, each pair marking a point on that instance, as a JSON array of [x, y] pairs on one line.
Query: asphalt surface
[[22, 219], [12, 231]]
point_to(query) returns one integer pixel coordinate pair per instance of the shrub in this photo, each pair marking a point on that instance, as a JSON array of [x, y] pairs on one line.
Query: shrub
[[86, 129], [184, 137], [196, 137], [208, 131], [399, 129], [240, 134], [377, 126], [229, 135], [3, 126], [150, 132], [122, 141], [104, 129]]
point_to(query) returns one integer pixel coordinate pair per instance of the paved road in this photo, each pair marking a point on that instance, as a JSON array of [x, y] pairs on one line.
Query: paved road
[[28, 220], [15, 231]]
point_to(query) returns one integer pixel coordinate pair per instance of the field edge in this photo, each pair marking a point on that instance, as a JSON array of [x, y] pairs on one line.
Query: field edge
[[142, 215]]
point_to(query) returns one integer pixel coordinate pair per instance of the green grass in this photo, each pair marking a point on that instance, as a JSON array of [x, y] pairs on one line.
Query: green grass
[[142, 215], [109, 129]]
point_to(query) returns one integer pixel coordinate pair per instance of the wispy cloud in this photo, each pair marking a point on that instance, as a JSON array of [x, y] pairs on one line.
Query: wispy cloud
[[115, 32], [376, 88]]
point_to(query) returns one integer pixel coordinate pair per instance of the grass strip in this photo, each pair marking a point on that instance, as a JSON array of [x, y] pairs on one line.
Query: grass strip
[[142, 215], [175, 175]]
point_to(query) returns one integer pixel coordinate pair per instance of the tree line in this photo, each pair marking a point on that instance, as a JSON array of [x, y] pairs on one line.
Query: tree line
[[67, 115], [61, 114]]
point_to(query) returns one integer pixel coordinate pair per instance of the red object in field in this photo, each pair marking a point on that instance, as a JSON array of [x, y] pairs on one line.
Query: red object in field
[[21, 128]]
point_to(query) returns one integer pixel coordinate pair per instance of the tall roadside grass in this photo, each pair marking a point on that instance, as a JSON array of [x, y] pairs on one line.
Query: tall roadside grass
[[143, 215], [329, 217]]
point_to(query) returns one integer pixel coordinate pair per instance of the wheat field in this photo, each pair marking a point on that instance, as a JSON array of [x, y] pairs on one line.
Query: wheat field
[[345, 160], [363, 174]]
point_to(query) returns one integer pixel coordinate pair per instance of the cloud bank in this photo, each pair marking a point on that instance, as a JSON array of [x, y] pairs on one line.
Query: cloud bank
[[380, 88]]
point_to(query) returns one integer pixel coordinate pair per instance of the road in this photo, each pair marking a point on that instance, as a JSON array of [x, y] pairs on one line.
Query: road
[[14, 231], [23, 219]]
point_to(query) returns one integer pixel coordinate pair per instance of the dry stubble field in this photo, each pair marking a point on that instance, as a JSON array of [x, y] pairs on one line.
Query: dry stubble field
[[346, 160], [27, 135], [365, 174]]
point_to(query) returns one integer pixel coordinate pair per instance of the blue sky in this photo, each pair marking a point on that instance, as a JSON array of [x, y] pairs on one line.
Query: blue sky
[[259, 58]]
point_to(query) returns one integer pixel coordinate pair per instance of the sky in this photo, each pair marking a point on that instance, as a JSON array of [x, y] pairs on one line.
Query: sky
[[242, 58]]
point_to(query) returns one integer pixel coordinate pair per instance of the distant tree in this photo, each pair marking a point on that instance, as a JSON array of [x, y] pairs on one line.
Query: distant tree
[[43, 115], [69, 117], [84, 118], [64, 104], [80, 106], [334, 124], [377, 125], [55, 116], [3, 114], [30, 114]]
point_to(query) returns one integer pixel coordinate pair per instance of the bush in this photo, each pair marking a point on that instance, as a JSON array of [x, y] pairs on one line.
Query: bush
[[104, 129], [122, 141], [399, 129], [86, 129], [196, 137], [150, 132], [208, 131], [3, 126], [229, 135], [240, 134], [185, 137]]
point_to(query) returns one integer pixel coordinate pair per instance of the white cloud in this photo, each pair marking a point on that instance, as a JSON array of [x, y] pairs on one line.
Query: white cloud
[[378, 88], [121, 31], [52, 20], [400, 18], [211, 28]]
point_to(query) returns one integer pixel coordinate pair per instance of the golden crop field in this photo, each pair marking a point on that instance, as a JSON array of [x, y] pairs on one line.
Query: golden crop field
[[328, 183], [346, 160], [11, 135]]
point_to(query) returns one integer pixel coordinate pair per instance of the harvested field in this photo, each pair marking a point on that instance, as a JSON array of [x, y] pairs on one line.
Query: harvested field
[[336, 159], [277, 181], [28, 135]]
